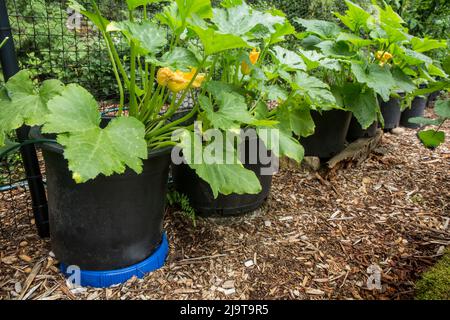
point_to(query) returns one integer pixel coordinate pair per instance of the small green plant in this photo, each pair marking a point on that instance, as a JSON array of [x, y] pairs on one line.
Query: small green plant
[[175, 198], [433, 138], [435, 283]]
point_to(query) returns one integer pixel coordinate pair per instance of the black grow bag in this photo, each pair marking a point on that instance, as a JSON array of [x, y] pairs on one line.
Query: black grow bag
[[417, 110], [200, 195], [329, 136], [110, 222], [355, 131], [391, 112]]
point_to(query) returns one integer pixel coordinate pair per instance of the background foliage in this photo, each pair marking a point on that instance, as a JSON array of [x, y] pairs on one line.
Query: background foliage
[[46, 46]]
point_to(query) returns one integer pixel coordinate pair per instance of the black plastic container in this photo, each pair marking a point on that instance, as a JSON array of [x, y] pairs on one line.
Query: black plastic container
[[329, 137], [417, 109], [202, 199], [391, 112], [432, 97], [355, 131], [110, 222]]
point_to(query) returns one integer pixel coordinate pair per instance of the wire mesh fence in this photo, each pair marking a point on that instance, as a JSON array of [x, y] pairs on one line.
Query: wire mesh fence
[[53, 41]]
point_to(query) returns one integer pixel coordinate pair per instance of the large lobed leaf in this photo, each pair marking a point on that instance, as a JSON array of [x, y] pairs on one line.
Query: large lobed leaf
[[89, 149], [21, 102], [231, 113], [376, 77], [362, 102], [281, 143], [288, 60], [355, 17], [214, 42], [324, 29], [223, 177], [147, 36], [316, 90]]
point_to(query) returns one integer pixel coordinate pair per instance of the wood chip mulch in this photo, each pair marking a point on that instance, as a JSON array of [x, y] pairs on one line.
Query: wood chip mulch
[[316, 238]]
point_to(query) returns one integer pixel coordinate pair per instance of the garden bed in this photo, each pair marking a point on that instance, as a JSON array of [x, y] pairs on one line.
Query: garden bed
[[314, 239]]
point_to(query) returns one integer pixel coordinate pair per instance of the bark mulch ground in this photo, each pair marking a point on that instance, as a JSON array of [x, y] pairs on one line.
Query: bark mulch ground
[[317, 237]]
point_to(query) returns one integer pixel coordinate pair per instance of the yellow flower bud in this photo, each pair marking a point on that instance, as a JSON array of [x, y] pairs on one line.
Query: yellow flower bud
[[253, 57], [383, 57]]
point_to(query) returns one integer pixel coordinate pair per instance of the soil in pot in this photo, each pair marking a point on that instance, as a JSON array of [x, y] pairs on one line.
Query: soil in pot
[[110, 222], [391, 113], [355, 131], [417, 110], [329, 137], [202, 199]]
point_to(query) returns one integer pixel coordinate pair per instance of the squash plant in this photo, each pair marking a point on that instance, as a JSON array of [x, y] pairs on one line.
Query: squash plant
[[171, 54], [368, 54], [242, 77], [72, 113]]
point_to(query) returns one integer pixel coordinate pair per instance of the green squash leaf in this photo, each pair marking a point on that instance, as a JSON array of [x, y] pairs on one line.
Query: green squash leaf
[[296, 118], [353, 39], [133, 4], [389, 17], [426, 44], [355, 17], [199, 8], [223, 176], [425, 121], [436, 71], [316, 90], [89, 149], [214, 42], [281, 143], [362, 102], [402, 81], [105, 151], [432, 138], [178, 59], [335, 49], [279, 33], [75, 110], [148, 37], [442, 108], [288, 60], [21, 102], [231, 113], [378, 78], [324, 29]]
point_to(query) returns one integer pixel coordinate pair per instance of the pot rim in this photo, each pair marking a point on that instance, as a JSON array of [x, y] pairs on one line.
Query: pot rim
[[35, 133]]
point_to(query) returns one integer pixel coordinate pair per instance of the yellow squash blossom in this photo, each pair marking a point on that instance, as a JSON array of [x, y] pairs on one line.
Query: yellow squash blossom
[[179, 80], [383, 57], [253, 56]]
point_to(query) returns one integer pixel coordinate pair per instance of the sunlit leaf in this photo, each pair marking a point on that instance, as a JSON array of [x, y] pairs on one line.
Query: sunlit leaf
[[432, 138]]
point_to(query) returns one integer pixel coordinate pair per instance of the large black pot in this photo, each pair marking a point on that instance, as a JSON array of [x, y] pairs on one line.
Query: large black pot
[[200, 195], [110, 222], [329, 137], [355, 131], [432, 97], [391, 113], [417, 109]]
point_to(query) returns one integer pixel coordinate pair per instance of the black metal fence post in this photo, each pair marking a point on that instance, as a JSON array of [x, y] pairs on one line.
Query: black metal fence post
[[10, 67]]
